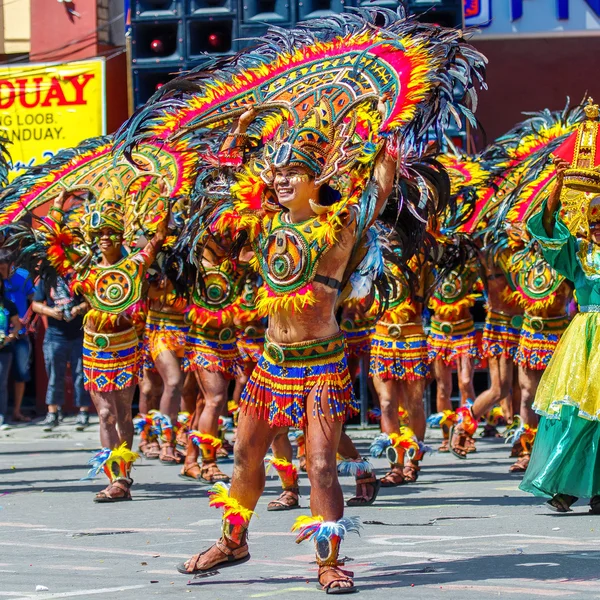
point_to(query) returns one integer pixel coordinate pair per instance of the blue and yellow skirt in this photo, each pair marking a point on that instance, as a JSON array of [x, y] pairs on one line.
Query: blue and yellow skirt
[[399, 352], [285, 376], [111, 361]]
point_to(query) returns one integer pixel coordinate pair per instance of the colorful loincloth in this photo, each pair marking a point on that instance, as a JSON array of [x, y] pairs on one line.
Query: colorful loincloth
[[399, 351], [358, 339], [214, 350], [501, 335], [287, 373], [449, 339], [251, 342], [111, 361], [165, 332], [539, 338]]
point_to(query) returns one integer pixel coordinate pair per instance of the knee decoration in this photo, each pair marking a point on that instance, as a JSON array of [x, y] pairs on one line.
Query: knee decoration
[[286, 470], [115, 463], [327, 536]]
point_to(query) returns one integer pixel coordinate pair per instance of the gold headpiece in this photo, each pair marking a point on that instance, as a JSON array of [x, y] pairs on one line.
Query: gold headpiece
[[584, 174], [107, 211]]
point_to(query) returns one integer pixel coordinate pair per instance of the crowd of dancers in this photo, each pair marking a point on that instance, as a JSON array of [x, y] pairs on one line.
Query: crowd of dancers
[[276, 222]]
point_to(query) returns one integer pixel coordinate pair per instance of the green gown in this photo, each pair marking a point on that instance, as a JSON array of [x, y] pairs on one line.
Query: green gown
[[565, 457]]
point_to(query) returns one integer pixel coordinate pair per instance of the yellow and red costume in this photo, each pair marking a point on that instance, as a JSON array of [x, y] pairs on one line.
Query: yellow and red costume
[[450, 335], [399, 345]]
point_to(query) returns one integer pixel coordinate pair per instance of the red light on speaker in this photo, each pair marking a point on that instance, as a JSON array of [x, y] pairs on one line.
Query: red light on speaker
[[157, 46], [214, 40]]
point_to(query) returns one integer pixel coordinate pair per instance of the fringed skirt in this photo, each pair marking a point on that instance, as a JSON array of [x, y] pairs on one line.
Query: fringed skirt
[[399, 352], [501, 335], [111, 361], [358, 340], [449, 340], [286, 375], [165, 332], [213, 350], [539, 338]]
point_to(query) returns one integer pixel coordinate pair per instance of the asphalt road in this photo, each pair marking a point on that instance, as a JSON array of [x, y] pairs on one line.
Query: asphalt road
[[463, 531]]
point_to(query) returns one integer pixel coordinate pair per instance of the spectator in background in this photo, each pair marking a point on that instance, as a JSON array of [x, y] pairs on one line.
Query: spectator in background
[[63, 343], [18, 289], [9, 331]]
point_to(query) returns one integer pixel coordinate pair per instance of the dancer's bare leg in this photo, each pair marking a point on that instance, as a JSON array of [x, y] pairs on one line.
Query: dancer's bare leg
[[465, 366], [412, 392], [151, 387], [443, 378], [254, 436]]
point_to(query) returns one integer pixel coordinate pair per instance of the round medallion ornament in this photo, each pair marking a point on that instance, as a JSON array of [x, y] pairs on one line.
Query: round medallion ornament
[[114, 288], [395, 331], [537, 324], [101, 341], [225, 334], [287, 263], [452, 286], [275, 353], [516, 322], [447, 328], [218, 288]]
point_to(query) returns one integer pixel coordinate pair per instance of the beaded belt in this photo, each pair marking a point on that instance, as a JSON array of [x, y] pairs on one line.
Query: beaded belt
[[548, 324], [452, 327], [515, 321], [115, 341], [323, 347], [589, 308], [223, 334], [399, 330], [156, 317]]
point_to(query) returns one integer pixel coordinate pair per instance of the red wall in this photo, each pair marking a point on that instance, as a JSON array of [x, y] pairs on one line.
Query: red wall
[[532, 74], [57, 36]]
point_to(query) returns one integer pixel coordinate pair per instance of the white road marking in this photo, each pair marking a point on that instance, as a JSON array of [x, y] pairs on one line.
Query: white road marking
[[50, 596]]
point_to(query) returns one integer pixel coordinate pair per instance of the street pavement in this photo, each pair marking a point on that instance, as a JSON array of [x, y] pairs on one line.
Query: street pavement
[[463, 531]]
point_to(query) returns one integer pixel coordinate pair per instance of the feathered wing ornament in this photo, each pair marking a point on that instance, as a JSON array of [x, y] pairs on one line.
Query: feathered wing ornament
[[93, 167]]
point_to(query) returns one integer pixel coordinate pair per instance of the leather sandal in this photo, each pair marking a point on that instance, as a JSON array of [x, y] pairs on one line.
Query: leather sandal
[[191, 472], [595, 505], [117, 491], [458, 442], [561, 503], [341, 575], [152, 451], [168, 456], [444, 446], [367, 489], [411, 472], [210, 473], [288, 500], [392, 478], [521, 465], [516, 450], [231, 557]]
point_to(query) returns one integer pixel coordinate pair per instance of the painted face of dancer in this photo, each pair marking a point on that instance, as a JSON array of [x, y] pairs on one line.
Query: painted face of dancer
[[295, 186], [109, 241]]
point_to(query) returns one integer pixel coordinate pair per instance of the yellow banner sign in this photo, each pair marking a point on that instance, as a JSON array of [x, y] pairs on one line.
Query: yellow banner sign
[[47, 107]]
